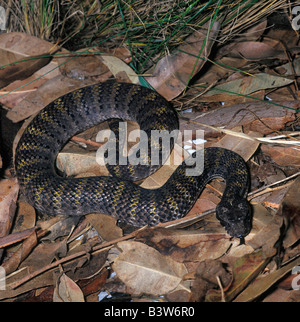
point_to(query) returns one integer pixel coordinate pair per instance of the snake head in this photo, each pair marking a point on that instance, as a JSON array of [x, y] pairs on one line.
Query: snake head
[[235, 217]]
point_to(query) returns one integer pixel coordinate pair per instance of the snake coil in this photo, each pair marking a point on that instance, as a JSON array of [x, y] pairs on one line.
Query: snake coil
[[76, 111]]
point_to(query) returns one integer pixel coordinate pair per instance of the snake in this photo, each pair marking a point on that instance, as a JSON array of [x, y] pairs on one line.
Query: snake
[[52, 193]]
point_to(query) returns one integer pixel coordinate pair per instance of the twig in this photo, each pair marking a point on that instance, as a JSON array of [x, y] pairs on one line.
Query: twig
[[221, 288], [19, 236], [274, 184], [101, 247], [185, 220], [106, 245]]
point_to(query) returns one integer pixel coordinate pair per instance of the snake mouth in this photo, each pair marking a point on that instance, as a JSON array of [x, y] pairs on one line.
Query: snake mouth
[[238, 230]]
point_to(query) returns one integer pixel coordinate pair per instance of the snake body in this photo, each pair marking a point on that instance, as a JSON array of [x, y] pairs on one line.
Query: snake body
[[117, 196]]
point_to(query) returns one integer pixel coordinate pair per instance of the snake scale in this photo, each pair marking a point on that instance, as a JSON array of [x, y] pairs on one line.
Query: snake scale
[[116, 195]]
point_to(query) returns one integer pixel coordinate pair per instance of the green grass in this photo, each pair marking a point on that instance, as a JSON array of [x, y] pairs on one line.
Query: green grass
[[149, 29]]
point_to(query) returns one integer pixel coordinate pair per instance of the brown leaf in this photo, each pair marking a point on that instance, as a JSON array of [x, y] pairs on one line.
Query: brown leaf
[[145, 270], [283, 155], [15, 46], [266, 231], [100, 67], [254, 32], [261, 285], [253, 50], [245, 148], [79, 163], [186, 245], [105, 226], [83, 66], [172, 73], [281, 296], [9, 190], [22, 69], [67, 290], [58, 226], [93, 284], [24, 250], [206, 278], [25, 217], [120, 52], [250, 116], [244, 270], [44, 95], [246, 85], [290, 211], [90, 288]]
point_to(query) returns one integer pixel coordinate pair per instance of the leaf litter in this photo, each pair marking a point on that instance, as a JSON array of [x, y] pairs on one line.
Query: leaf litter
[[193, 259]]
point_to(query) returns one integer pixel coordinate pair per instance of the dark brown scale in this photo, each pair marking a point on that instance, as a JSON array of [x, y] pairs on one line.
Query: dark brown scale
[[74, 112]]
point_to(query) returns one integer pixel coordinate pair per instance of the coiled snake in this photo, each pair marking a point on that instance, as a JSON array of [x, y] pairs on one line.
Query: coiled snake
[[76, 111]]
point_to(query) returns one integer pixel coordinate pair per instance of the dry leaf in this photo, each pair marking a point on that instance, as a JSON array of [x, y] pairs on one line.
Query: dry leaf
[[266, 231], [248, 85], [186, 245], [58, 226], [261, 285], [119, 52], [244, 270], [40, 281], [105, 226], [22, 69], [42, 255], [9, 190], [243, 147], [23, 251], [172, 73], [290, 211], [16, 46], [25, 217], [144, 270], [252, 117], [120, 70], [289, 69], [61, 85], [44, 95], [77, 163], [67, 290], [283, 155], [253, 32], [253, 51], [206, 278], [103, 66], [281, 296], [85, 65]]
